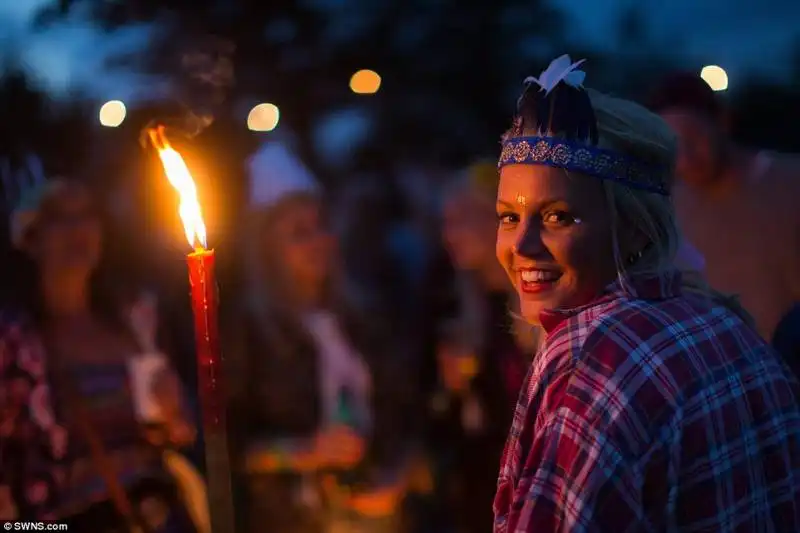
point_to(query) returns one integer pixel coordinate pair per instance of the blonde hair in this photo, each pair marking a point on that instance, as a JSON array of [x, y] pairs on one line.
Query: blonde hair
[[629, 128]]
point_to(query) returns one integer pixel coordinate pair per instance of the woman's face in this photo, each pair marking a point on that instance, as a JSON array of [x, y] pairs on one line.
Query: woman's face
[[303, 242], [468, 230], [68, 237], [554, 237]]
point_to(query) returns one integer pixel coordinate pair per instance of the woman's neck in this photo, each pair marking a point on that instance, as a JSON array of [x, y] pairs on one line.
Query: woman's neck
[[65, 299]]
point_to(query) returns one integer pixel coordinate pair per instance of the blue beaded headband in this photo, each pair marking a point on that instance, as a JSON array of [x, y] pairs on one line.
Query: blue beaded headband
[[561, 114], [577, 157]]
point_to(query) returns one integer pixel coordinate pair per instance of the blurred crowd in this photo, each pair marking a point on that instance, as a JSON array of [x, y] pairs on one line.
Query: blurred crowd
[[371, 341]]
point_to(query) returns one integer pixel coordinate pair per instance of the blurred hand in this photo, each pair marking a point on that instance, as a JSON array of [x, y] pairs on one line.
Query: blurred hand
[[378, 502], [338, 447], [280, 455], [457, 367], [168, 392]]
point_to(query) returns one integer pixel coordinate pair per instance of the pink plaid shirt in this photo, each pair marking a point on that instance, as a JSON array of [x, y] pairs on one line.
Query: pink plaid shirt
[[652, 410]]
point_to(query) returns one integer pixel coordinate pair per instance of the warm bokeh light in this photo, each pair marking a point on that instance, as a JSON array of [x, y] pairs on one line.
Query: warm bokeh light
[[715, 77], [179, 176], [365, 82], [263, 117], [112, 114]]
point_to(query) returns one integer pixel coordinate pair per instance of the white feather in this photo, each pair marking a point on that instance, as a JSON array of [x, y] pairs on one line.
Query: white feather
[[560, 69], [575, 78]]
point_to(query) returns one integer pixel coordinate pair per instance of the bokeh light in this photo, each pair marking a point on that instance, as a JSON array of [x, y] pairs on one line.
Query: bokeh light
[[715, 77], [112, 114], [365, 82], [263, 117]]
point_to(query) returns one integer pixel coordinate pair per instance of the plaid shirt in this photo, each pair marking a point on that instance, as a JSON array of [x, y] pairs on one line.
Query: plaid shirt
[[652, 410]]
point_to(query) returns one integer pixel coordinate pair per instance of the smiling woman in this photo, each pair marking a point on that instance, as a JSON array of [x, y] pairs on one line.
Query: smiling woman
[[595, 191], [611, 430], [554, 245]]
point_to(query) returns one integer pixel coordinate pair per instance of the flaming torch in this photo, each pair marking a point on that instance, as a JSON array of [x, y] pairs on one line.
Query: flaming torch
[[209, 358]]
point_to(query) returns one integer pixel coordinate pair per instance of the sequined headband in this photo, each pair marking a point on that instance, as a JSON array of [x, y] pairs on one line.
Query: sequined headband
[[577, 157], [561, 115]]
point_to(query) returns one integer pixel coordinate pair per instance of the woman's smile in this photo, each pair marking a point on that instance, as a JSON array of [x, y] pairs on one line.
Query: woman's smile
[[537, 281]]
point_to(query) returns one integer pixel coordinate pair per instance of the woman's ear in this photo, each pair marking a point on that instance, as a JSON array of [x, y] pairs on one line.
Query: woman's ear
[[639, 242], [632, 240]]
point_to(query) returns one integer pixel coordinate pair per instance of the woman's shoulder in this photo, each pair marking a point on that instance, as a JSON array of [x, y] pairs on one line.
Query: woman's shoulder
[[609, 367], [664, 340], [622, 336], [632, 366], [672, 325]]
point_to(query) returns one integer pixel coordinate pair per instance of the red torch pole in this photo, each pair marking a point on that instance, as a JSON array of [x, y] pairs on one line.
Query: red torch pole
[[211, 389], [213, 402]]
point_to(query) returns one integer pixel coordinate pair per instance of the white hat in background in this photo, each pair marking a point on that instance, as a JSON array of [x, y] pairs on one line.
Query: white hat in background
[[275, 172]]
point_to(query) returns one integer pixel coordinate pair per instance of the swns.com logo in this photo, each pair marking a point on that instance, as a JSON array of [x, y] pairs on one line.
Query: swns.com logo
[[34, 526]]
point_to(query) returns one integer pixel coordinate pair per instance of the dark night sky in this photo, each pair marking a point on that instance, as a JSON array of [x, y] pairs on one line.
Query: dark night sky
[[745, 37]]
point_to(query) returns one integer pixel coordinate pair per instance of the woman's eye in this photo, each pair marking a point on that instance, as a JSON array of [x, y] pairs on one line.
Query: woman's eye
[[560, 218], [508, 218]]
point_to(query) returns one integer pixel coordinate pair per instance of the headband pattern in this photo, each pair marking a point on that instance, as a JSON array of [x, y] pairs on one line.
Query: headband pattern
[[558, 109]]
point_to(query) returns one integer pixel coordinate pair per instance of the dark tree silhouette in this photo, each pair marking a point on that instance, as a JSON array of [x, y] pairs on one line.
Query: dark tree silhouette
[[32, 123], [795, 61], [766, 116], [450, 70]]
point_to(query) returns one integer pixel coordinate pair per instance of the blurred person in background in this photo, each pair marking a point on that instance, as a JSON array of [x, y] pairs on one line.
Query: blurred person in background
[[652, 404], [309, 402], [88, 401], [483, 353], [736, 205]]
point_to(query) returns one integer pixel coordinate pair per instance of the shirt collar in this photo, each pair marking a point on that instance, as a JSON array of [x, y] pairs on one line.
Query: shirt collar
[[632, 287]]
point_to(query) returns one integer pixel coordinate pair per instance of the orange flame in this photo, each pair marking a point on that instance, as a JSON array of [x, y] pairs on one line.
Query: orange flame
[[179, 176]]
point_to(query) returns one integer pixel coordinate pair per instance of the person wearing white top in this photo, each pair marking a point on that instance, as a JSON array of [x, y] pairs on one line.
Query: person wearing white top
[[304, 399]]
